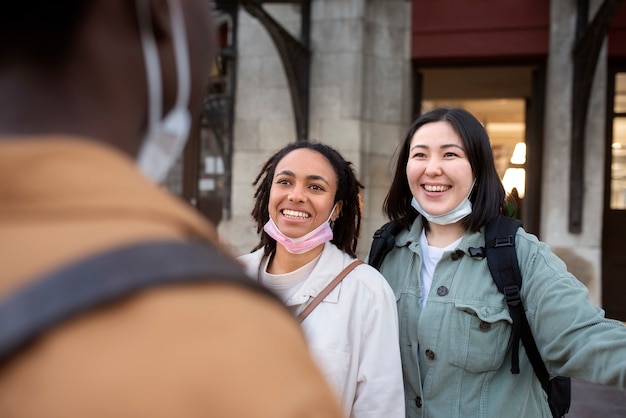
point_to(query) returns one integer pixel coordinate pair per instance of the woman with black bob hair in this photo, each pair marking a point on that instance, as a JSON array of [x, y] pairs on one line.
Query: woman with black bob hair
[[488, 194], [456, 337], [308, 215]]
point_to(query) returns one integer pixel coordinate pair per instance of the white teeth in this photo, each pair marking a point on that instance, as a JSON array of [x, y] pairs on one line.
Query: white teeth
[[295, 214], [430, 188]]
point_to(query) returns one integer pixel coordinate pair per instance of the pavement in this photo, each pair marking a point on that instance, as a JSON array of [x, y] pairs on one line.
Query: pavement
[[596, 401]]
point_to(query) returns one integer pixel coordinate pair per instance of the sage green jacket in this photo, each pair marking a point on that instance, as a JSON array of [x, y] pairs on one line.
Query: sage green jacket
[[456, 352]]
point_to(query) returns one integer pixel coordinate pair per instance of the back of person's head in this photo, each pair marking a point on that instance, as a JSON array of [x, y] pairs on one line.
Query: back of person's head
[[39, 32], [488, 194], [128, 73], [346, 227]]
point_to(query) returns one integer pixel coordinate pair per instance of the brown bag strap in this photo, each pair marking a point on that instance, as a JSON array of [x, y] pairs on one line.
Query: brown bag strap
[[327, 290]]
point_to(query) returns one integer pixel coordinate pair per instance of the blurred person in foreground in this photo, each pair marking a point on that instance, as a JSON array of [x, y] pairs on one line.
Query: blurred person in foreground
[[90, 92]]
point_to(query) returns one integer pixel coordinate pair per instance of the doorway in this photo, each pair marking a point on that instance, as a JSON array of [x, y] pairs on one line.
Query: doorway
[[508, 100], [614, 222]]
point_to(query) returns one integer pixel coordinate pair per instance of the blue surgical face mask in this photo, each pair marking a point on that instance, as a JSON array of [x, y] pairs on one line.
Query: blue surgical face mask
[[165, 137], [461, 211]]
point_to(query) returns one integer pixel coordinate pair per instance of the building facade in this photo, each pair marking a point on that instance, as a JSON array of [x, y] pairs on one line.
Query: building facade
[[359, 72]]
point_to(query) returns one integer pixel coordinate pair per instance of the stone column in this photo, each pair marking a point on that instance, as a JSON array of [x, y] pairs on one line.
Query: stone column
[[582, 250], [359, 99]]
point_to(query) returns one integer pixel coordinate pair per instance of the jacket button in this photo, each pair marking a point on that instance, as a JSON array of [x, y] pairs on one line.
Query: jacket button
[[418, 402], [430, 354], [484, 326], [442, 290]]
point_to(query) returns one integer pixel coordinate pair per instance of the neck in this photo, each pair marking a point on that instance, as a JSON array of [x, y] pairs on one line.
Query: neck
[[285, 262], [36, 104], [443, 235]]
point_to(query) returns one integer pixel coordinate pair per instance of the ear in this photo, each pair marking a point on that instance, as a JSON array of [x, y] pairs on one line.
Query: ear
[[337, 211]]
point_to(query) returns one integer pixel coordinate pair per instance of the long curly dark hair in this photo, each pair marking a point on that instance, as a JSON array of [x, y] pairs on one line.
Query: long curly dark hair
[[348, 224]]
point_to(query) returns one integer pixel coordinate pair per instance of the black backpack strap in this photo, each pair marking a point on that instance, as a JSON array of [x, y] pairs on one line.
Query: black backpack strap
[[105, 277], [383, 241], [502, 260]]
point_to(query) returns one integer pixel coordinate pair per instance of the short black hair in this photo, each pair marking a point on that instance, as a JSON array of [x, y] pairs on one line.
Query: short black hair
[[488, 194], [347, 226], [39, 32]]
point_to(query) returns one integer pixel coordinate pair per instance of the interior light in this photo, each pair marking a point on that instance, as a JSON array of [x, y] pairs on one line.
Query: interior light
[[519, 154], [515, 178]]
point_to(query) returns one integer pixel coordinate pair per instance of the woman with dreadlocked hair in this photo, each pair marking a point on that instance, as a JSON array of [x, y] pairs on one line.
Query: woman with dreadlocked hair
[[308, 215]]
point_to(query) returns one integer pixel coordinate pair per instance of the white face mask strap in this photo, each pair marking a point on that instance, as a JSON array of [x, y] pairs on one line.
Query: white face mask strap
[[151, 60], [331, 212], [179, 36], [471, 189]]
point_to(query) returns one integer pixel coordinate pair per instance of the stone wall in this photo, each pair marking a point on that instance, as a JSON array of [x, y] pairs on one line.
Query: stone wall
[[584, 247], [359, 99]]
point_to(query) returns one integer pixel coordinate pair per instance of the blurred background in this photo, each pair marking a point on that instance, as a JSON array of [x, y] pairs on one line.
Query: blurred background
[[546, 78]]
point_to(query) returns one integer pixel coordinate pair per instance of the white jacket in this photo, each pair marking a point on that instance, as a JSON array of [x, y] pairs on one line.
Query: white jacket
[[353, 334]]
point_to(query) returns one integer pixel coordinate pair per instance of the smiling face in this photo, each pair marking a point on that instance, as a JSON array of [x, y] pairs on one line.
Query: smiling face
[[302, 193], [438, 171]]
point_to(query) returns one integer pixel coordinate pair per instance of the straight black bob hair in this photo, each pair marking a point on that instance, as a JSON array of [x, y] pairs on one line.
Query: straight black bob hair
[[488, 195]]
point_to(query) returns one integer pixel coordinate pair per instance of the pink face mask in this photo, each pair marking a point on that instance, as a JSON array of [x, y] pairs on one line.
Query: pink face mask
[[305, 243]]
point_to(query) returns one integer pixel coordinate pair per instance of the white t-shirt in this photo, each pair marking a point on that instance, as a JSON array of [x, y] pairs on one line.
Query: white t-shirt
[[287, 284], [430, 258]]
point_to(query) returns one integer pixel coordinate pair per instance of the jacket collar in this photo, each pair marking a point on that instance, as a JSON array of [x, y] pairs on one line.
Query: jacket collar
[[411, 238], [330, 264]]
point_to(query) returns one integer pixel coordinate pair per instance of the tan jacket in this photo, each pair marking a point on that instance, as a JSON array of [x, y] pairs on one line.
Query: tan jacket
[[196, 350]]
